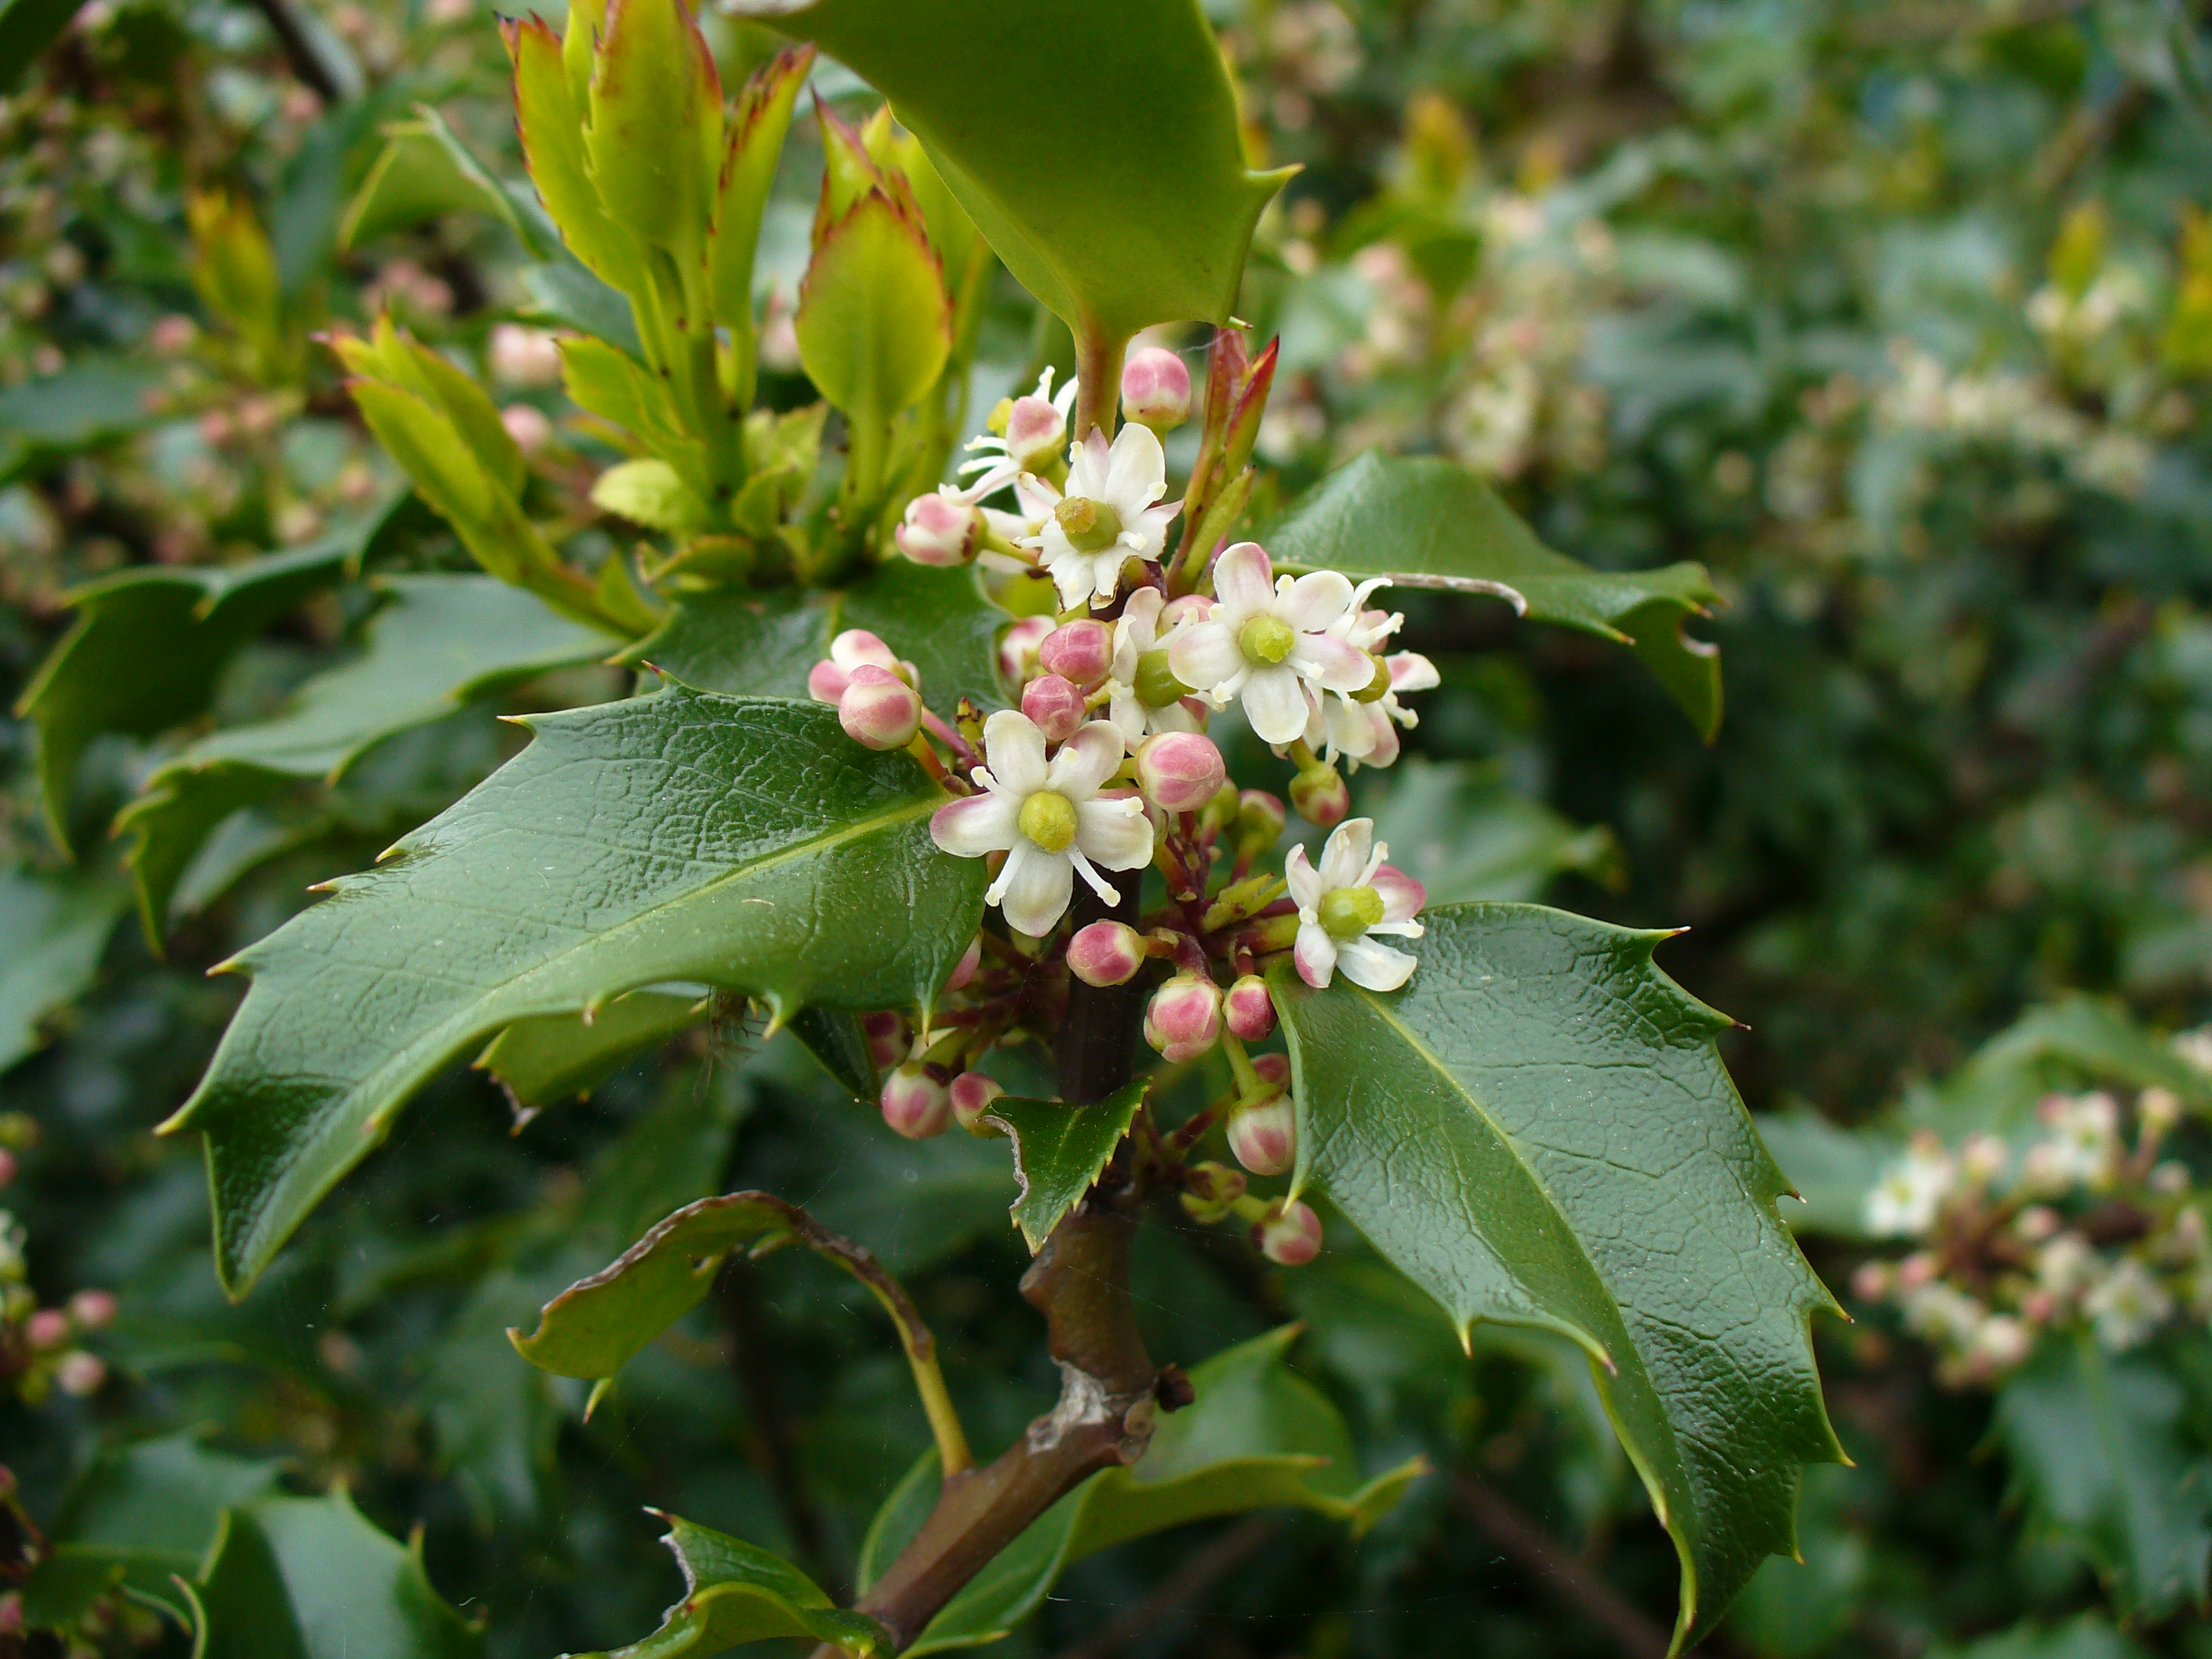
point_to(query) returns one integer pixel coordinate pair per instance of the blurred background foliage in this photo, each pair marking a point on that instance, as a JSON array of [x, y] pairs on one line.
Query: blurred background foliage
[[1897, 314]]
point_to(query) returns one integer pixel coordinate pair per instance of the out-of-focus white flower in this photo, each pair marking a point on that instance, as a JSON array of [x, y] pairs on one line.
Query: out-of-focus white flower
[[2127, 1306], [1944, 1313], [2196, 1048], [2065, 1266], [2082, 1146], [1903, 1202], [2000, 1342]]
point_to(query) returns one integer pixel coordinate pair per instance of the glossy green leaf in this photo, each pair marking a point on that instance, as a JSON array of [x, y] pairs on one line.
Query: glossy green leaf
[[653, 142], [757, 129], [1257, 1436], [1426, 522], [1538, 1130], [27, 27], [556, 885], [558, 1057], [94, 398], [1462, 831], [147, 645], [837, 1041], [439, 643], [735, 1593], [874, 321], [548, 116], [315, 1570], [56, 928], [1059, 1150], [2101, 1450], [426, 171], [1831, 1169], [1077, 206], [732, 639], [592, 1329]]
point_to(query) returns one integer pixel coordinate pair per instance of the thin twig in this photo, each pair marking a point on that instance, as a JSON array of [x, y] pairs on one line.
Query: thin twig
[[1181, 1589], [301, 54], [1559, 1570]]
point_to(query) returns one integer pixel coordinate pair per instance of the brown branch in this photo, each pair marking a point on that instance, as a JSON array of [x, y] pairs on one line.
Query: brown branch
[[1566, 1575], [1182, 1588], [301, 54]]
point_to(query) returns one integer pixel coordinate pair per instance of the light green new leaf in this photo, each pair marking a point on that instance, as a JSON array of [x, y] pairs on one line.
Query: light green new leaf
[[1117, 211], [148, 644], [558, 1057], [1059, 1151], [2101, 1450], [654, 140], [874, 322], [426, 171], [1426, 522], [1258, 1436], [56, 928], [647, 491], [741, 842], [735, 1593], [440, 642], [1538, 1130]]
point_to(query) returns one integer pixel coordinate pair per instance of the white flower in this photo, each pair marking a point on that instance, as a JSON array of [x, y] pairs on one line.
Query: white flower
[[2082, 1147], [2195, 1047], [1137, 632], [1269, 640], [1110, 510], [1353, 894], [1944, 1313], [2128, 1306], [1046, 818], [1036, 427], [1902, 1202]]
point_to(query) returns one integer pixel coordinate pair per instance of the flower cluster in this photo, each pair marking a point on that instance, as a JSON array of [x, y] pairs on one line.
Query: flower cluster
[[1104, 769], [40, 1347], [2074, 1228]]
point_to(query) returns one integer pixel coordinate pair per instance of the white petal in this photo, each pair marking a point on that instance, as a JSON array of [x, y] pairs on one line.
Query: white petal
[[1071, 575], [1140, 624], [979, 825], [1088, 463], [1016, 749], [1316, 599], [1412, 672], [1315, 955], [1275, 703], [1085, 761], [1244, 580], [1304, 880], [1349, 728], [1376, 967], [1343, 860], [1136, 469], [1105, 576], [1112, 834], [1177, 716], [1205, 655], [1036, 497], [1034, 888], [1128, 716], [1336, 663]]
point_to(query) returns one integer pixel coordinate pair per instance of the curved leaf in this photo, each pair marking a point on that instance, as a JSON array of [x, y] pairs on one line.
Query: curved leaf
[[1058, 1149], [1426, 522], [1074, 203], [57, 928], [559, 1057], [874, 322], [741, 842], [735, 1593], [1538, 1130]]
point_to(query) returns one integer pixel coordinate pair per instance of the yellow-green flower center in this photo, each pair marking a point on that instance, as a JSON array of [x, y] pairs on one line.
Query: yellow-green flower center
[[1378, 687], [1157, 685], [1348, 912], [1090, 527], [1266, 638], [1049, 819]]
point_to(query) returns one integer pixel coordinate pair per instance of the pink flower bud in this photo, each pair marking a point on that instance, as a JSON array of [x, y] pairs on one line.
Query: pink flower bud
[[528, 427], [1179, 771], [1035, 430], [886, 1035], [1290, 1234], [1210, 1191], [939, 529], [879, 709], [172, 335], [1056, 705], [1320, 796], [972, 1094], [1081, 651], [1265, 1137], [93, 1310], [1274, 1070], [964, 969], [7, 1166], [49, 1328], [826, 681], [1183, 1019], [916, 1104], [1156, 388], [1018, 650], [1249, 1013], [1259, 816], [1106, 953], [80, 1374]]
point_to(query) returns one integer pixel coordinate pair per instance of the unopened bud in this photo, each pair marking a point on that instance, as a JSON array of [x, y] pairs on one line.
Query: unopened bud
[[879, 709], [1210, 1191], [1156, 388], [964, 969], [1265, 1137], [1018, 649], [93, 1310], [826, 681], [1079, 652], [49, 1328], [1056, 705], [1248, 1009], [528, 427], [940, 530], [1288, 1234], [1260, 817], [886, 1035], [80, 1374], [971, 1094], [1034, 432], [1274, 1070], [1183, 1019], [1106, 953], [916, 1104], [1179, 771], [1320, 796]]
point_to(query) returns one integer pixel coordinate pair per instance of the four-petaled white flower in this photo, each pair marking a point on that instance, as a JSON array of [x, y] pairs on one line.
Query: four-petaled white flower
[[1110, 510], [1048, 817], [1903, 1202], [1353, 896], [1269, 641], [1036, 426], [1137, 632], [1360, 726]]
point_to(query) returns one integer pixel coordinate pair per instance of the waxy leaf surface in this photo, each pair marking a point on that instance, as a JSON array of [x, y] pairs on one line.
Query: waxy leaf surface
[[56, 928], [1426, 522], [740, 842], [1538, 1130], [1116, 212], [734, 1593], [558, 1057], [1059, 1151]]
